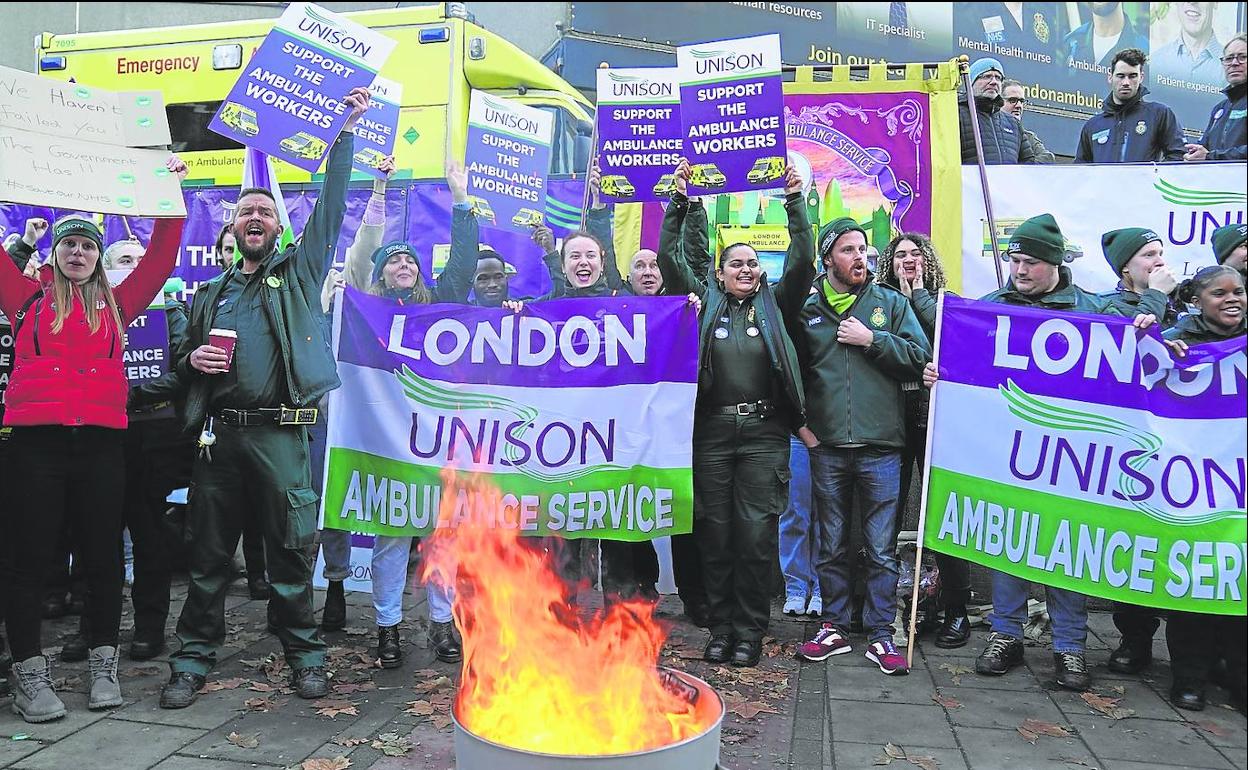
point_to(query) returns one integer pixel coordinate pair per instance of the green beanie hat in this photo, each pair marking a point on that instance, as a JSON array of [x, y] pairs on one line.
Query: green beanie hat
[[1039, 237], [77, 226], [1121, 245], [834, 230], [1227, 238]]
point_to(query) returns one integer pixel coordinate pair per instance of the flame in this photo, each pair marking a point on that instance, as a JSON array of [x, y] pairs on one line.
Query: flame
[[535, 675]]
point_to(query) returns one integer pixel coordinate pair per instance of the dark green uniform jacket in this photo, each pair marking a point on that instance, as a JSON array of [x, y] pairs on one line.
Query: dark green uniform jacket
[[771, 305], [855, 393], [291, 288], [1127, 303], [1065, 296], [1193, 329]]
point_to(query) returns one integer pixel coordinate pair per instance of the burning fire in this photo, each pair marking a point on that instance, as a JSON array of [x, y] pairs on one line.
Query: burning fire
[[535, 675]]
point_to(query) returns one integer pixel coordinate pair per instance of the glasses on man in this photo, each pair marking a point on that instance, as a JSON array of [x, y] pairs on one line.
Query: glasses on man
[[1235, 58], [1015, 100]]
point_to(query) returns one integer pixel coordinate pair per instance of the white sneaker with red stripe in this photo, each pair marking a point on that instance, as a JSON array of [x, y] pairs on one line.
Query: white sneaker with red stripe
[[884, 654]]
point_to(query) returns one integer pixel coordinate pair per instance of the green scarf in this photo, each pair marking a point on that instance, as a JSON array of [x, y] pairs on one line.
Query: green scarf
[[841, 303]]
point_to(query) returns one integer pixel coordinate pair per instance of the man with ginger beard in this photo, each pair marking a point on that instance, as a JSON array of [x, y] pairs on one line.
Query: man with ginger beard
[[252, 411], [857, 342]]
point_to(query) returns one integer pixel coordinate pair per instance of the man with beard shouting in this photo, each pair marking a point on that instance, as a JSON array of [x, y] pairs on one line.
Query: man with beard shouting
[[251, 407]]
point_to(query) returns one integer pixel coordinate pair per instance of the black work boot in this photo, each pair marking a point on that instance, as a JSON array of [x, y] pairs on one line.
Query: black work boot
[[389, 646], [334, 618], [443, 642], [718, 649], [181, 690], [1072, 670], [310, 683], [955, 629], [258, 586], [1132, 656]]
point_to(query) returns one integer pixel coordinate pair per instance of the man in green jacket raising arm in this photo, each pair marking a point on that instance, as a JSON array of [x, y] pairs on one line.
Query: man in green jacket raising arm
[[254, 410]]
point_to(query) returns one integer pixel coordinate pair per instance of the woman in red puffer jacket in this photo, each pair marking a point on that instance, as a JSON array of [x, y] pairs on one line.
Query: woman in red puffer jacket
[[66, 405]]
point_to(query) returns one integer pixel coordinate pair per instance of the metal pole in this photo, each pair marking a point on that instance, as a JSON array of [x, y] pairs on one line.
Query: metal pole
[[964, 67], [593, 158]]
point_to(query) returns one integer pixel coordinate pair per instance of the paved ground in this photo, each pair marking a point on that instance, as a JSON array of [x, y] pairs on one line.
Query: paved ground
[[784, 714]]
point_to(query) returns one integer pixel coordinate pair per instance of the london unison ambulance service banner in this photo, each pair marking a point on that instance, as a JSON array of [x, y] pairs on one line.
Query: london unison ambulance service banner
[[1106, 467], [638, 133], [579, 411], [732, 114], [288, 101]]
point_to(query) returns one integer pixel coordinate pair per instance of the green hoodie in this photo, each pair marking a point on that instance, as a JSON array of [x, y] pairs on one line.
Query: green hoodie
[[1065, 296], [854, 394]]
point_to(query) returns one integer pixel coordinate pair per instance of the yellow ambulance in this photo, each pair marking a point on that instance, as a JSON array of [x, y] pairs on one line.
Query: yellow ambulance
[[442, 55]]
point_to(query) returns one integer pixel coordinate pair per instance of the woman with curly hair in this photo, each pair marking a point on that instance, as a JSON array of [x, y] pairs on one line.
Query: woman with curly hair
[[909, 264]]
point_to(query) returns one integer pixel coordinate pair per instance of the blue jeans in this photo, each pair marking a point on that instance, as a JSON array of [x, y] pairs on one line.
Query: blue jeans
[[390, 556], [799, 545], [1067, 609], [873, 476], [336, 550]]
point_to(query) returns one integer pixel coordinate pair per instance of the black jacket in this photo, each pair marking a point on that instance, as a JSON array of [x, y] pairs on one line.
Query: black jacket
[[1138, 131], [1194, 330], [772, 305], [1000, 133], [1226, 136]]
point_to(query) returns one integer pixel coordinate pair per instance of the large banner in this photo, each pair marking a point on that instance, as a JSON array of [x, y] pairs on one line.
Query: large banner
[[288, 99], [580, 412], [1108, 467], [1182, 202]]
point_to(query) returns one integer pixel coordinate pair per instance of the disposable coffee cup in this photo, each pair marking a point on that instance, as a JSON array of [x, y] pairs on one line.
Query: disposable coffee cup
[[224, 339]]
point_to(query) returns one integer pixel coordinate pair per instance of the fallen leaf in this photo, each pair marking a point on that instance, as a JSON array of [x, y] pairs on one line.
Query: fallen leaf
[[1107, 706], [883, 760], [1119, 689], [751, 709], [925, 762], [1213, 729], [1028, 735], [1044, 728], [419, 708], [348, 688], [947, 702], [895, 752], [332, 707], [392, 744], [955, 672], [262, 687], [244, 741], [265, 704], [433, 684], [348, 743], [1076, 761], [137, 671], [323, 763], [223, 684], [441, 721], [356, 631]]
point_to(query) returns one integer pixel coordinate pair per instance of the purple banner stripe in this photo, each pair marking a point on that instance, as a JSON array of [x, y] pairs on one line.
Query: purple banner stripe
[[1092, 358], [547, 345]]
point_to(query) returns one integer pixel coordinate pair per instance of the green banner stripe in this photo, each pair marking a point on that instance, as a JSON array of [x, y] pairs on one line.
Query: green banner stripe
[[990, 535], [555, 203], [417, 515], [648, 103]]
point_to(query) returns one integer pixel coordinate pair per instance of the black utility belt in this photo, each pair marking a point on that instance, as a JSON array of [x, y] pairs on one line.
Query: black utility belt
[[244, 418], [765, 406]]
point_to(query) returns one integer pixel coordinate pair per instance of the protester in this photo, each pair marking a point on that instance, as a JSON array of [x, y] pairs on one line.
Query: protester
[[1129, 128], [491, 281], [336, 543], [1038, 279], [912, 267], [798, 539], [749, 400], [224, 249], [1226, 136], [1015, 98], [23, 248], [66, 404], [1000, 133], [394, 273], [1230, 247], [1145, 281], [1196, 641], [255, 458], [1108, 32], [858, 342]]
